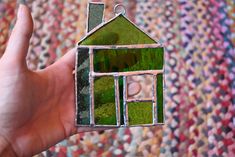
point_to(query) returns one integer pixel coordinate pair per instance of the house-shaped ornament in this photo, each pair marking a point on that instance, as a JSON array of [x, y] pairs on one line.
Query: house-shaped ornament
[[107, 56]]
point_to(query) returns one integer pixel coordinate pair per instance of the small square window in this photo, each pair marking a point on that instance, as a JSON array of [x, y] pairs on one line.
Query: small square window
[[140, 87], [140, 113]]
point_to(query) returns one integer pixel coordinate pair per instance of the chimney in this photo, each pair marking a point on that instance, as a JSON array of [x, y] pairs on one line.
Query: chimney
[[95, 15]]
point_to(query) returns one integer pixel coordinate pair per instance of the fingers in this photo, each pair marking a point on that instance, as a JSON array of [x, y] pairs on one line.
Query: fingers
[[18, 43], [68, 59]]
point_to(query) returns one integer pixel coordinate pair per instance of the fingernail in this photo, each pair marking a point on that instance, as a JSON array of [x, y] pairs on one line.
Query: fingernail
[[20, 7], [20, 11]]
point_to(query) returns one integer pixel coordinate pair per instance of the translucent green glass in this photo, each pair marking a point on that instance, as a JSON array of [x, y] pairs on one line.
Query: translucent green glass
[[123, 60], [120, 82], [120, 31], [160, 98], [95, 15], [104, 92], [140, 113], [83, 95]]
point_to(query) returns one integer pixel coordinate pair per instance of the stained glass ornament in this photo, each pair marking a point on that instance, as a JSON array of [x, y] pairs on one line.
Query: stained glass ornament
[[107, 57]]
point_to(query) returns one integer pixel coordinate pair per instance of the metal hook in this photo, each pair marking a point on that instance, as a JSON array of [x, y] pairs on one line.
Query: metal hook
[[119, 8]]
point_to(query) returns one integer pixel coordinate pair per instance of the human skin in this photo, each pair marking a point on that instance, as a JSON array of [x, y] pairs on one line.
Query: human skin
[[36, 107]]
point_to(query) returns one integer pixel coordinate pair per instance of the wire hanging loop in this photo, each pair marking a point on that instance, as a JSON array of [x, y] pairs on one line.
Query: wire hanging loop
[[119, 9]]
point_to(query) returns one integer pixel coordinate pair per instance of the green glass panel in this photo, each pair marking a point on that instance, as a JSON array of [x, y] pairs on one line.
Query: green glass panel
[[120, 82], [122, 60], [95, 15], [160, 98], [104, 91], [119, 31], [140, 113], [83, 95]]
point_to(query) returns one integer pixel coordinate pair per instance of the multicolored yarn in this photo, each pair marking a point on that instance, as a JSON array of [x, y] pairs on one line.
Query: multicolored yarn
[[200, 73]]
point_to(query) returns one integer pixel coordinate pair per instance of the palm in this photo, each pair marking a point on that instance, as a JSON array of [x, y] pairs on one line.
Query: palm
[[42, 104]]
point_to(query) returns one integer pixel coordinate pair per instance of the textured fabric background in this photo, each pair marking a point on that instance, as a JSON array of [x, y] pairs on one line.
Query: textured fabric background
[[200, 73]]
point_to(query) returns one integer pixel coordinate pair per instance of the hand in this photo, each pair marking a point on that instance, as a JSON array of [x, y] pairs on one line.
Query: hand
[[36, 108]]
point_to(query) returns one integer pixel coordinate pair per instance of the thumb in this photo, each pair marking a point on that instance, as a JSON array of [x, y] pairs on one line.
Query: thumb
[[18, 43]]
